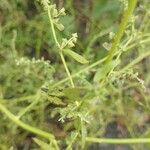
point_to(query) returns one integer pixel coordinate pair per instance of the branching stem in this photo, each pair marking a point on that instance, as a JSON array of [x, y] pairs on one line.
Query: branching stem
[[127, 14], [58, 45]]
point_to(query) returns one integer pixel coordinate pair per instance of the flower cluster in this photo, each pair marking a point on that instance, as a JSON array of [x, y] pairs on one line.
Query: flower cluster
[[26, 61], [55, 14], [69, 43], [125, 3], [46, 4]]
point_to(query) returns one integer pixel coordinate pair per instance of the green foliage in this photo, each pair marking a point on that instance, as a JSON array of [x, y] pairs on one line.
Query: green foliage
[[25, 76], [55, 102]]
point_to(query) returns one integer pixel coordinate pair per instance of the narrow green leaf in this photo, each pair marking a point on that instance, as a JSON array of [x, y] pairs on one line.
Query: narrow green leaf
[[55, 100], [60, 26], [74, 94], [76, 56]]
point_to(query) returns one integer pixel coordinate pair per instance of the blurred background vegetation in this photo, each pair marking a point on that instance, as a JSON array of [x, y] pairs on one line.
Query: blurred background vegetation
[[120, 108]]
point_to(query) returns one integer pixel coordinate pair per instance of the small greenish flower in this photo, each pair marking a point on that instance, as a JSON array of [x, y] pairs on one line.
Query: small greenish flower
[[62, 12]]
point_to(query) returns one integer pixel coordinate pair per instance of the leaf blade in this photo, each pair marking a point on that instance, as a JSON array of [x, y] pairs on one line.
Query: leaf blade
[[76, 56]]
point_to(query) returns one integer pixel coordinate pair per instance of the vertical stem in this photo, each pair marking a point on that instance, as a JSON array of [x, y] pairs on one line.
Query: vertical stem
[[58, 45], [38, 46], [52, 28], [127, 13], [13, 44], [67, 70]]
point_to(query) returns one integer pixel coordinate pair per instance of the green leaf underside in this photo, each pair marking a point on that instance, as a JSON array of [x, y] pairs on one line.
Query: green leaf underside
[[74, 93]]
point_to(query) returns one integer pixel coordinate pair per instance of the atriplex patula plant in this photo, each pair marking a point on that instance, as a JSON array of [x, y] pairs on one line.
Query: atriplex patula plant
[[73, 108], [65, 44]]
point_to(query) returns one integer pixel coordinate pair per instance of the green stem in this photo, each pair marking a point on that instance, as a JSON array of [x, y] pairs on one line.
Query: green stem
[[118, 141], [58, 45], [52, 28], [141, 42], [13, 44], [134, 62], [25, 126], [122, 27], [67, 70], [27, 109], [20, 99]]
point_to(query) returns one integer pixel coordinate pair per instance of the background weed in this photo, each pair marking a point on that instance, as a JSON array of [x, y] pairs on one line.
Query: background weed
[[65, 90]]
